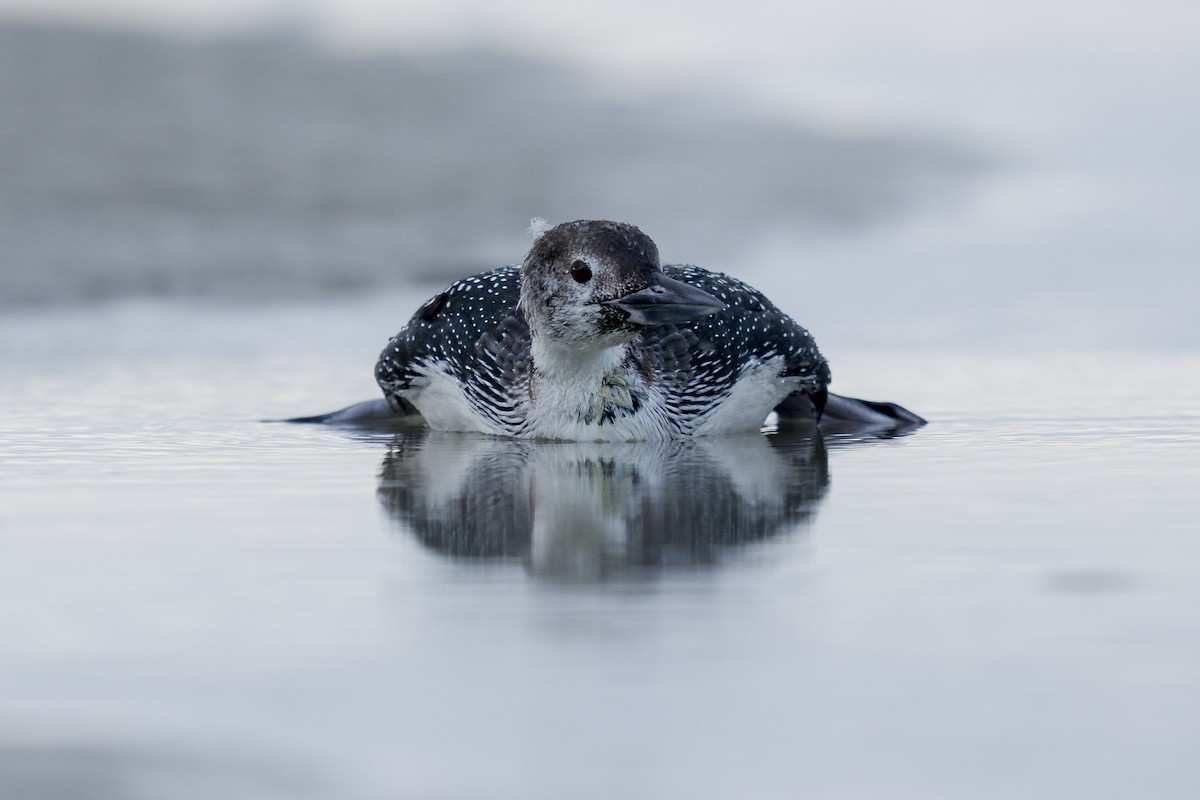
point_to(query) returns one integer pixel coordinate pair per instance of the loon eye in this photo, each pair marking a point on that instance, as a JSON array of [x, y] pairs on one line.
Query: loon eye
[[581, 272]]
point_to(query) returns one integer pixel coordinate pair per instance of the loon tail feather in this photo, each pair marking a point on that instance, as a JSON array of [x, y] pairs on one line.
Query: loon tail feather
[[846, 413], [364, 413]]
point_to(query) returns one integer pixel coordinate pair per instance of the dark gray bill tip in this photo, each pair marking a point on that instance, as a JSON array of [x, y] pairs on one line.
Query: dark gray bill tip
[[666, 300]]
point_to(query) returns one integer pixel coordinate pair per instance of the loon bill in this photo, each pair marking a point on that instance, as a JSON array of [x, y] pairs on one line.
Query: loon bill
[[591, 339]]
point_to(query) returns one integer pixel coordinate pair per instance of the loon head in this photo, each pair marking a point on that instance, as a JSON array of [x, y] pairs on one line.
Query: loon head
[[595, 283]]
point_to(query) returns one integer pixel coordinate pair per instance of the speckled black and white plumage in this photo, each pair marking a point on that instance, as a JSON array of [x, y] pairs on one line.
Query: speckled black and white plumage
[[473, 332], [469, 360]]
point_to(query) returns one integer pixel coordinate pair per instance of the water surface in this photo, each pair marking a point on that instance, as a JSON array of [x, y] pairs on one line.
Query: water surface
[[198, 604]]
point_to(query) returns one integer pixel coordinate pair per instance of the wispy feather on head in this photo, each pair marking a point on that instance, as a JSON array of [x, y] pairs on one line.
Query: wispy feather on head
[[538, 226]]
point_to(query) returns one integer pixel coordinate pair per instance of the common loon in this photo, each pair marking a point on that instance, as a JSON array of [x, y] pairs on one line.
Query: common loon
[[591, 339]]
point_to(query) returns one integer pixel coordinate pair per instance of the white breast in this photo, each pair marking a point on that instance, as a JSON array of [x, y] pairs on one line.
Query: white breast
[[568, 386]]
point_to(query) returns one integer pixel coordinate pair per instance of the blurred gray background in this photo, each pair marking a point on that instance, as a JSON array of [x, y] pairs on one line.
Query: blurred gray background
[[1018, 175]]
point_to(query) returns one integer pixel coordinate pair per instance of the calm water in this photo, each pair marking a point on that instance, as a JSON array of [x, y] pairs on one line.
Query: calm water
[[195, 604]]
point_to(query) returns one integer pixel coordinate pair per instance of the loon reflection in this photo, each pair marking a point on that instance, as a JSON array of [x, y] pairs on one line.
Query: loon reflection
[[585, 510]]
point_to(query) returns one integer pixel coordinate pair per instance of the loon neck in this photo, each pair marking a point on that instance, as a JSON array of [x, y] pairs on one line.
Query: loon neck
[[572, 363]]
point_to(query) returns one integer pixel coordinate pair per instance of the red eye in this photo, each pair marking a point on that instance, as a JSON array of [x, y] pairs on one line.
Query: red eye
[[581, 272]]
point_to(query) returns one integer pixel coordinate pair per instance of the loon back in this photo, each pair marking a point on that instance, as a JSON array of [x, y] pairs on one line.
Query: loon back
[[466, 361]]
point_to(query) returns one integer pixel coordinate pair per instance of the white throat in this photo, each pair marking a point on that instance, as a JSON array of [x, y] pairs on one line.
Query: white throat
[[565, 364]]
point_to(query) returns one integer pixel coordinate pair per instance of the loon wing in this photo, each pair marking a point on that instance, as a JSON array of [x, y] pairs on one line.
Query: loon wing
[[472, 332], [700, 361]]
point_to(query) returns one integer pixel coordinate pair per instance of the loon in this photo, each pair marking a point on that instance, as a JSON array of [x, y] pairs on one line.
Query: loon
[[592, 339]]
